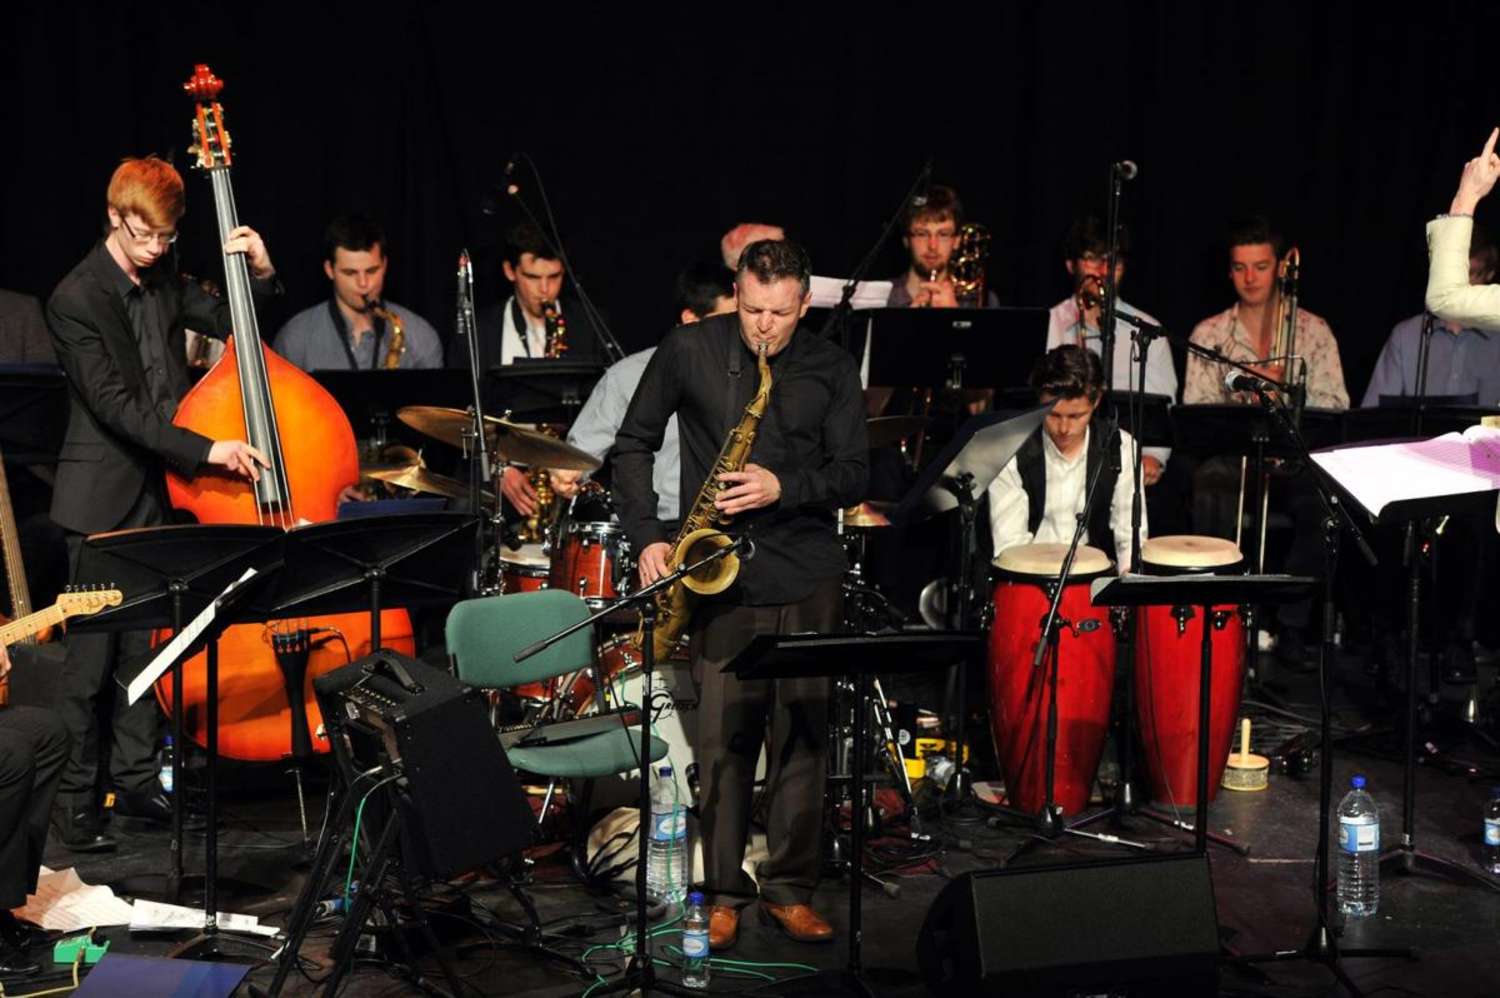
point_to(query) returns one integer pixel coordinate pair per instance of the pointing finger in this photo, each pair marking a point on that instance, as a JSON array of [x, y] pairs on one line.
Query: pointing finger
[[1489, 145]]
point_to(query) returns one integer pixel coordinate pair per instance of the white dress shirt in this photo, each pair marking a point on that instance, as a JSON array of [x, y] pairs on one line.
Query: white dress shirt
[[511, 346], [1067, 484], [1066, 326]]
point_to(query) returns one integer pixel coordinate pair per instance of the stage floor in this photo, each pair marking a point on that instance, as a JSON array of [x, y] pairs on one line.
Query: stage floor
[[1264, 901]]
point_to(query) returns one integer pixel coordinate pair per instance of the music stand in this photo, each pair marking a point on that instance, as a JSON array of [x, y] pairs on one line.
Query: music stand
[[368, 396], [33, 412], [953, 347], [1407, 513], [779, 656], [1396, 417], [541, 390], [962, 472], [169, 574]]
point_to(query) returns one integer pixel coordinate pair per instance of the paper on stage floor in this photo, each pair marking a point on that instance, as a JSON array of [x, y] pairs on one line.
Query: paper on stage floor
[[154, 916], [64, 903], [827, 292], [1449, 465], [164, 658]]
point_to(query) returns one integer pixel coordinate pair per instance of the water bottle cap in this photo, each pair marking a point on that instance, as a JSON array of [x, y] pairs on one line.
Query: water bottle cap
[[1358, 782], [695, 897], [664, 771]]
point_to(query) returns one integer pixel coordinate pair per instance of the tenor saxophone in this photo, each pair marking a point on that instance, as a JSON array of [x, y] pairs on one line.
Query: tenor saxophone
[[396, 345], [699, 535]]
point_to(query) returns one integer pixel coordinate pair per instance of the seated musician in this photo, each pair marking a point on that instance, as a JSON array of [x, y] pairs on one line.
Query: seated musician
[[348, 331], [33, 752], [1075, 320], [930, 234], [1038, 496], [517, 327], [1247, 332], [704, 289]]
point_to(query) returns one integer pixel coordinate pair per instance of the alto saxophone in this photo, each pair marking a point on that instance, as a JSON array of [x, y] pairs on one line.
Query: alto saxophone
[[557, 331], [396, 345], [699, 537], [533, 529]]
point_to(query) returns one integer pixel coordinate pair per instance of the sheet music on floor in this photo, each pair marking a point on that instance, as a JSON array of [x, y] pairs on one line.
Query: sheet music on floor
[[192, 632], [1452, 464], [64, 903], [156, 916]]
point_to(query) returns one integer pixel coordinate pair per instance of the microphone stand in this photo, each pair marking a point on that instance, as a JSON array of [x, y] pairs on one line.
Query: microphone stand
[[838, 320], [612, 348], [1107, 313], [640, 973], [479, 458]]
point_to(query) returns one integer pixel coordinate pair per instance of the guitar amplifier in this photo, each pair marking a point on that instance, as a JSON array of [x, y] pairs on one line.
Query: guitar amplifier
[[461, 805]]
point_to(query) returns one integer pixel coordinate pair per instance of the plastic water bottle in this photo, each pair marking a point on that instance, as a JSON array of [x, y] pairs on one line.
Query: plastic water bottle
[[1359, 852], [164, 772], [666, 850], [695, 943], [1492, 832]]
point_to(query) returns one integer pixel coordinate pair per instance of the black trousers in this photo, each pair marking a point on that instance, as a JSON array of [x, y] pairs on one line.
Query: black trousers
[[33, 752], [732, 717], [93, 660]]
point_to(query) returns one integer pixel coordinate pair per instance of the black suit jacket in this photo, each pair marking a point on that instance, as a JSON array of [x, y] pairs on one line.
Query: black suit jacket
[[582, 339], [118, 440]]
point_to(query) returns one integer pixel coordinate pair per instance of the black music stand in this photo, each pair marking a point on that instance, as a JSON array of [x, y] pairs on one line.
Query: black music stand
[[169, 574], [1397, 416], [953, 347], [372, 398], [1408, 513], [777, 656], [957, 479], [539, 389], [33, 412], [1203, 592]]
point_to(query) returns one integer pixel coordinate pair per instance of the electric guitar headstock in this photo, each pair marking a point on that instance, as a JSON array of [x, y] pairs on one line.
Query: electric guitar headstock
[[82, 602], [210, 138]]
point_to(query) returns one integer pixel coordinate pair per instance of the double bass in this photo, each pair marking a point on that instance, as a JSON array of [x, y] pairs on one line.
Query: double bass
[[249, 394]]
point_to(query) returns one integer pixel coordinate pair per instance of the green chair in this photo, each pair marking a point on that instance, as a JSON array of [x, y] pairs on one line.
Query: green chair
[[484, 636]]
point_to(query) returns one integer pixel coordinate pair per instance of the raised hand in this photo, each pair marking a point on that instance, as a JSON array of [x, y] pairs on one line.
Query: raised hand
[[1477, 179]]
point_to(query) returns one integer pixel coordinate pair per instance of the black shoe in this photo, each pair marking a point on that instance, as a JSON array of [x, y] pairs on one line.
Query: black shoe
[[153, 807], [20, 935], [15, 963], [80, 830]]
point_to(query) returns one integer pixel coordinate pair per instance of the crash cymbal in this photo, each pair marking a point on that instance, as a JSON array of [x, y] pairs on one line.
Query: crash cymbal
[[888, 430], [419, 479], [391, 458], [508, 440], [868, 515]]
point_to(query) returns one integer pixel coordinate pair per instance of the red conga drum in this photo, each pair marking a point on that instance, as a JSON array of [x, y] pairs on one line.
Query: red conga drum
[[1019, 694], [1168, 653]]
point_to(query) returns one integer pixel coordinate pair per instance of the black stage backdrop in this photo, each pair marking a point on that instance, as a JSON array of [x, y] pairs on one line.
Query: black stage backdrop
[[656, 129]]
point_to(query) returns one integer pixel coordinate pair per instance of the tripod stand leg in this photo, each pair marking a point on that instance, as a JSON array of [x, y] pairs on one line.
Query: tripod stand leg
[[359, 911]]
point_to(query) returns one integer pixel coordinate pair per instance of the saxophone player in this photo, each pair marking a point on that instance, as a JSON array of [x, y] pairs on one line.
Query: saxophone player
[[353, 330], [809, 458]]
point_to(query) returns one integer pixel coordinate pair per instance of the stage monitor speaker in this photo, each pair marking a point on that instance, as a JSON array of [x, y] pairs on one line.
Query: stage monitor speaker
[[462, 806], [1125, 928]]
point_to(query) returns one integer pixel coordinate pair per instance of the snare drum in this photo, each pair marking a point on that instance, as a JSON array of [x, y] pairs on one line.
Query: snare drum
[[525, 570], [1019, 694], [1168, 666], [591, 558]]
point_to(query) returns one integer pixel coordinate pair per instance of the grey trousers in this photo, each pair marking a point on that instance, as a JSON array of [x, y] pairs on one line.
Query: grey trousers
[[732, 718]]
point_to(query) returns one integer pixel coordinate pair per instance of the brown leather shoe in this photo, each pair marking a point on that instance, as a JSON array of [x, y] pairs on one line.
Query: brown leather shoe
[[798, 921], [723, 926]]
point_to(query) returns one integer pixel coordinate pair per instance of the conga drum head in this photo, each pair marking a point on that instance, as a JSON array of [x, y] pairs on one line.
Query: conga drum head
[[1180, 553], [1044, 561]]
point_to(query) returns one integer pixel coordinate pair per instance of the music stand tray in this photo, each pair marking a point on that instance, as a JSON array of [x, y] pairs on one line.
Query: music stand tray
[[366, 394], [539, 389], [780, 656], [1396, 417], [1204, 592], [978, 452], [1249, 429], [919, 346]]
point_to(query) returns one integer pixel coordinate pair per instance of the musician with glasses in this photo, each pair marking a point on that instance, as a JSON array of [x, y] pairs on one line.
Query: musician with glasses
[[1247, 332], [929, 232], [117, 322]]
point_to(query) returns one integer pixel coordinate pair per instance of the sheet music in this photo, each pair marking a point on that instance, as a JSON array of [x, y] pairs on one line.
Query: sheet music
[[174, 649], [827, 292], [154, 916], [64, 903], [1449, 465]]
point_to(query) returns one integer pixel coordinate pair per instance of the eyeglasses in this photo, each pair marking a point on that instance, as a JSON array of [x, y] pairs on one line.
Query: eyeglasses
[[941, 235], [165, 238]]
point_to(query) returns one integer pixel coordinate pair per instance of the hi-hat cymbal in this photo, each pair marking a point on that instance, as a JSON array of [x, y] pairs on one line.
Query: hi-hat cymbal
[[887, 430], [868, 515], [510, 441], [419, 479]]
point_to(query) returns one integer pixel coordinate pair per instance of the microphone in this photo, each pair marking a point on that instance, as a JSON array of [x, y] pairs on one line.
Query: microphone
[[1237, 381], [1126, 169], [510, 169], [494, 199]]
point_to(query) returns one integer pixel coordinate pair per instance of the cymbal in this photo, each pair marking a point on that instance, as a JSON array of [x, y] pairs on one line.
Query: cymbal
[[869, 514], [510, 441], [419, 479], [887, 430]]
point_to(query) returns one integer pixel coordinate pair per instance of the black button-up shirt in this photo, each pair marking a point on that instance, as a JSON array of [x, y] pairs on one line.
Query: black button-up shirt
[[143, 305], [812, 438]]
